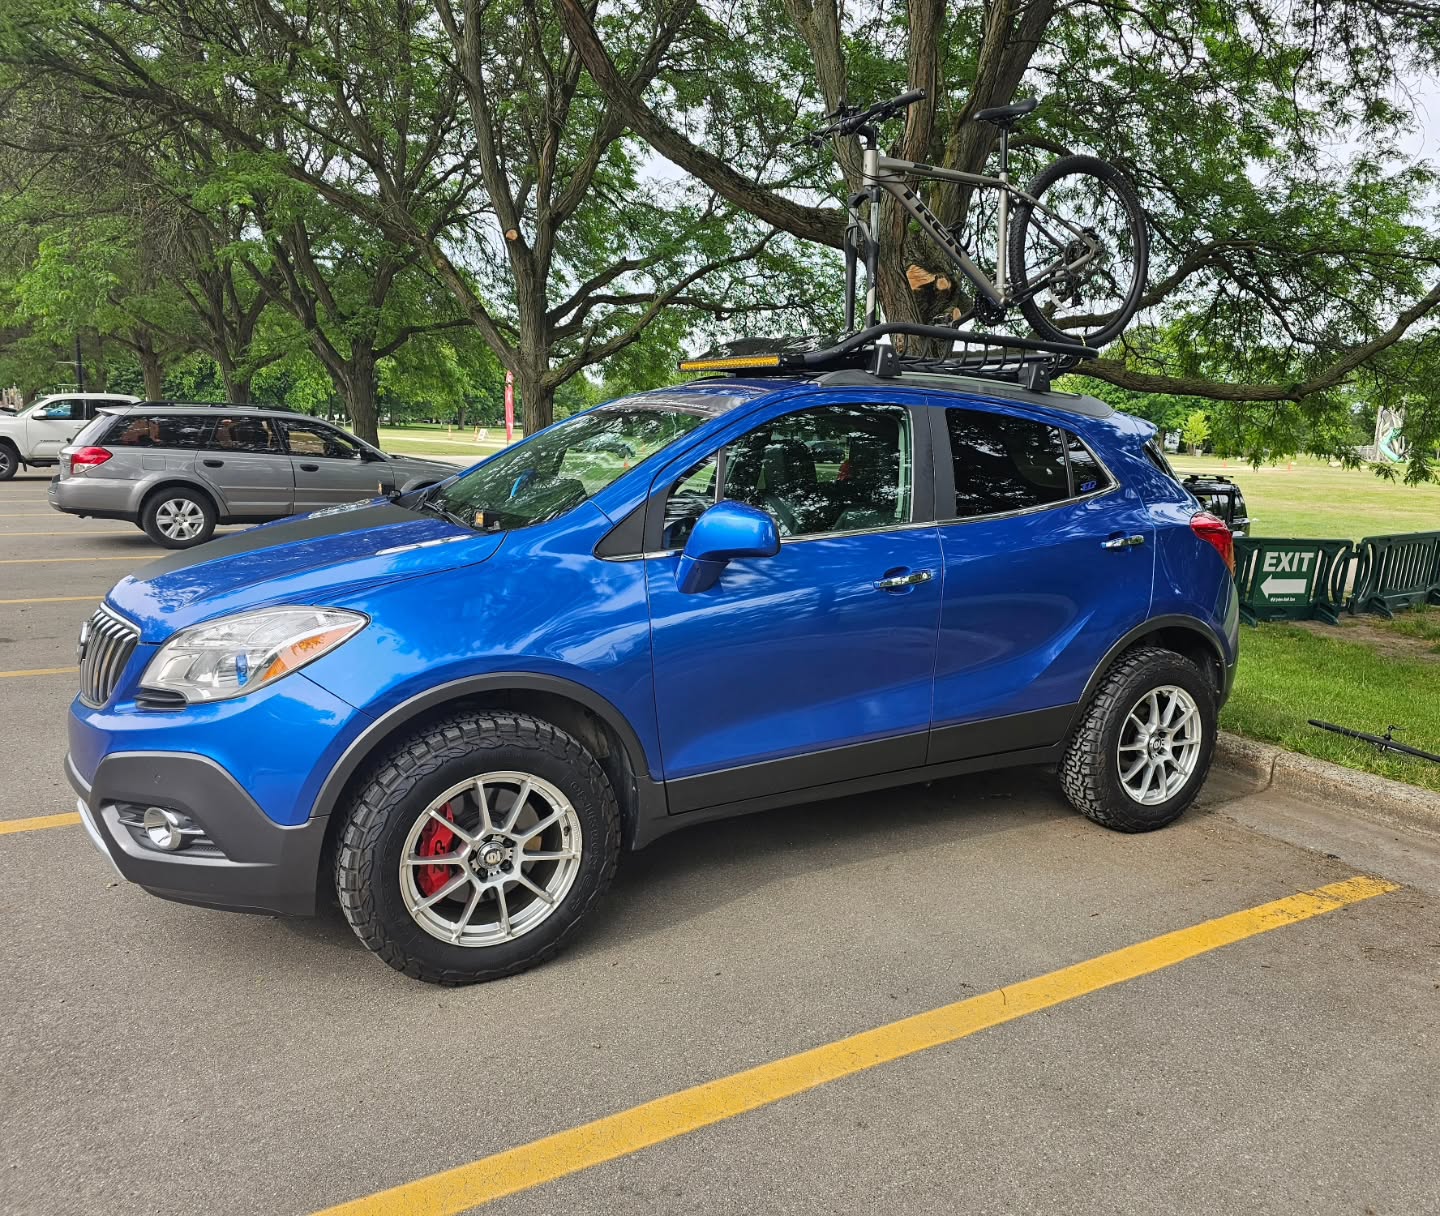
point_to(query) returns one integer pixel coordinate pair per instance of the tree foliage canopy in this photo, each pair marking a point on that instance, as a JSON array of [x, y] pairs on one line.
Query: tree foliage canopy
[[588, 185]]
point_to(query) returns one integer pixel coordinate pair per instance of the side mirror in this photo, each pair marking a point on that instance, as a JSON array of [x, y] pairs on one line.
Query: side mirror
[[370, 454], [417, 483], [727, 531]]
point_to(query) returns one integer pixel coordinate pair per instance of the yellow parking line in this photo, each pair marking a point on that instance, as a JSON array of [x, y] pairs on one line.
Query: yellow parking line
[[58, 599], [618, 1135], [69, 819], [39, 671], [40, 561]]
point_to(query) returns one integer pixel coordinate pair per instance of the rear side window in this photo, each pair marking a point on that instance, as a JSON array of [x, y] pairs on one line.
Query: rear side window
[[1004, 463], [244, 434], [183, 431]]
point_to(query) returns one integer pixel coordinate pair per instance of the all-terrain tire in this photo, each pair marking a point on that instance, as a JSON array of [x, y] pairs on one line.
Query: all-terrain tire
[[407, 780], [1090, 772]]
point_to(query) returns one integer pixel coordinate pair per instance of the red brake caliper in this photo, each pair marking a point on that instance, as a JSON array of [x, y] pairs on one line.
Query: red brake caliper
[[435, 841]]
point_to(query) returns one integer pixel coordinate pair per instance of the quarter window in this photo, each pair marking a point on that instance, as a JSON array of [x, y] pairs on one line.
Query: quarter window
[[1087, 475], [182, 431]]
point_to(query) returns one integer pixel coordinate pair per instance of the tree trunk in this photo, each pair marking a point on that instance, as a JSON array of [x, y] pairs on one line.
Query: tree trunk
[[360, 401], [151, 369], [536, 404]]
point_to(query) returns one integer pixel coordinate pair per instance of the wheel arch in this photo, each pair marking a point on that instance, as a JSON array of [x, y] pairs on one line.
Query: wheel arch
[[1185, 635], [572, 707], [170, 482]]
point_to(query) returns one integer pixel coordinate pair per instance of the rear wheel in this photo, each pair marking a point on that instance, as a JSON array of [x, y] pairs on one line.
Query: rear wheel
[[9, 461], [178, 518], [1087, 273], [1142, 748], [476, 847]]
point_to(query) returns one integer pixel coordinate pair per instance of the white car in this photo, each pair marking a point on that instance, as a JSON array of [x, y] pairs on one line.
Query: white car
[[35, 436]]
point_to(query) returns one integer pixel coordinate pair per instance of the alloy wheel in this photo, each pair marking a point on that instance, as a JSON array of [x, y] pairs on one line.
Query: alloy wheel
[[180, 518], [1159, 744], [490, 859]]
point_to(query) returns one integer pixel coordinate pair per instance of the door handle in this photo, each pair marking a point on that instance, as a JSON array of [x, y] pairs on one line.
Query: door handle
[[913, 578], [1123, 542], [213, 464], [310, 468]]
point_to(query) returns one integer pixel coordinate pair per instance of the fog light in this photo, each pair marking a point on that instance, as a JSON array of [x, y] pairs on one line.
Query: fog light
[[166, 829]]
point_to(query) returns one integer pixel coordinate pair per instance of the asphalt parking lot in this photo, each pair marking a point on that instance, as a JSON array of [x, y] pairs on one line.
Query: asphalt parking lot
[[165, 1059]]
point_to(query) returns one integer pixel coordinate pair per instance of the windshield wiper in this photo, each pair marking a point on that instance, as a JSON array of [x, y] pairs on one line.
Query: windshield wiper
[[429, 504]]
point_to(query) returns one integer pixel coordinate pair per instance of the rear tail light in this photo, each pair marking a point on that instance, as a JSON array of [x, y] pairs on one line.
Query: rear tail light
[[1214, 531], [87, 458]]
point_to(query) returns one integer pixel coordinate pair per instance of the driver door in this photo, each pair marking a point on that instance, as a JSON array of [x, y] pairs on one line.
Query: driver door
[[816, 665], [331, 468]]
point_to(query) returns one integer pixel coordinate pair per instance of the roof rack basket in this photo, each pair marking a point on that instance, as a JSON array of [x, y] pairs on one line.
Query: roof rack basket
[[1031, 362]]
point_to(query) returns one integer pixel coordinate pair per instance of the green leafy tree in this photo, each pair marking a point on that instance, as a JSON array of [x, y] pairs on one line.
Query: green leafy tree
[[1195, 430]]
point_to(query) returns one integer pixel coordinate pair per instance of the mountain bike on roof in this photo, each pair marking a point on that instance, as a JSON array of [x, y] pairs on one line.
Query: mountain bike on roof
[[1070, 249]]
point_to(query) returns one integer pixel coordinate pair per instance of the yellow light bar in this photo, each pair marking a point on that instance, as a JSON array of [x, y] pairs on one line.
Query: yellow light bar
[[716, 365]]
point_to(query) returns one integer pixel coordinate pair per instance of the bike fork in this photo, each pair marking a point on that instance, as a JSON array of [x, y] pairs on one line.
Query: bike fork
[[873, 192], [1003, 217]]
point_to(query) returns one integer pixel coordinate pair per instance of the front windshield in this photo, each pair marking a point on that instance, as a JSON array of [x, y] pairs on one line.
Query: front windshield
[[560, 468]]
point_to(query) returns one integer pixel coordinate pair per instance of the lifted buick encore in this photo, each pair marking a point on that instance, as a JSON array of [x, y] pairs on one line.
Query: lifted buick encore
[[453, 708]]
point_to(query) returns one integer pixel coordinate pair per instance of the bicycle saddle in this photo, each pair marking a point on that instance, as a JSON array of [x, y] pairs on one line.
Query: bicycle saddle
[[1003, 116]]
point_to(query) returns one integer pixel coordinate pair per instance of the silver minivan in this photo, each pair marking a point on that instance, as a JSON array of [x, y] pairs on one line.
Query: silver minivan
[[179, 470]]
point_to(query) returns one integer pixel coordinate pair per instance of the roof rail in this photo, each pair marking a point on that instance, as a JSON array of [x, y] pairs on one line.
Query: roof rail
[[218, 405], [1029, 362]]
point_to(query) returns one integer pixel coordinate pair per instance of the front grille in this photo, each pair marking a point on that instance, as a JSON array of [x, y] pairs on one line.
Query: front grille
[[107, 644]]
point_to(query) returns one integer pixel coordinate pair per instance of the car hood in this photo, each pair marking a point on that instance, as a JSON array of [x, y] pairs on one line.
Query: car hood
[[319, 559], [417, 466]]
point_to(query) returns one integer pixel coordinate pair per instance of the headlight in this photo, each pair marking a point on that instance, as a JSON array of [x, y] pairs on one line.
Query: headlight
[[238, 654]]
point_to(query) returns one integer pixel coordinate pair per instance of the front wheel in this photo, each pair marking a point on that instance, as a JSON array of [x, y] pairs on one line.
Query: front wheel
[[1078, 256], [1143, 745], [476, 847], [9, 462]]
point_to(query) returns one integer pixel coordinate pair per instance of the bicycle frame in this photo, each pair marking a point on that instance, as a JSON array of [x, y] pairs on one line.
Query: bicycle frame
[[882, 174]]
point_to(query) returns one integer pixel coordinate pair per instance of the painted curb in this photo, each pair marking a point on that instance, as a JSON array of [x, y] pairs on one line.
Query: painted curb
[[1340, 787]]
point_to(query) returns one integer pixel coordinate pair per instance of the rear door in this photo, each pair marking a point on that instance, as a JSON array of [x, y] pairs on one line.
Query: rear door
[[244, 460], [1048, 563], [330, 467], [51, 426]]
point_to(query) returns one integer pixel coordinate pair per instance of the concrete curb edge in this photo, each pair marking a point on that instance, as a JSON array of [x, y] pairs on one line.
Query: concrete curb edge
[[1306, 777]]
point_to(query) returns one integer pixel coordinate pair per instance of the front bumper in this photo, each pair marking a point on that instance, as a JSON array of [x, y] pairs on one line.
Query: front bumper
[[243, 862]]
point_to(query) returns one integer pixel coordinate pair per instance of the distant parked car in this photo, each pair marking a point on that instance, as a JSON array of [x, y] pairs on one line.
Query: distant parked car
[[179, 470], [1221, 497], [35, 435]]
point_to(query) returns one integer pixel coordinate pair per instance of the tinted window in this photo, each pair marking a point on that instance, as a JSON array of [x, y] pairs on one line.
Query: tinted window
[[688, 499], [836, 469], [1087, 476], [157, 431], [244, 434], [311, 439], [1004, 464]]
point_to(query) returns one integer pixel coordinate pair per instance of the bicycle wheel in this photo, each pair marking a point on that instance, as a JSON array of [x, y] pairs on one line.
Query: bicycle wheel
[[1066, 296]]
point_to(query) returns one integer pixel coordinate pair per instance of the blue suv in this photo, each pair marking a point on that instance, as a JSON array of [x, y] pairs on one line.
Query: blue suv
[[458, 705]]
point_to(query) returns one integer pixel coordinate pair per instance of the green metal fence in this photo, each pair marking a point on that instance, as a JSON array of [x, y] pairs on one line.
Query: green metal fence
[[1396, 572], [1291, 579]]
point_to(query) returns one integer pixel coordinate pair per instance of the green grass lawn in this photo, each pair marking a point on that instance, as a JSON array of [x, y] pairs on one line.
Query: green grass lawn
[[430, 439], [1289, 674], [1306, 497]]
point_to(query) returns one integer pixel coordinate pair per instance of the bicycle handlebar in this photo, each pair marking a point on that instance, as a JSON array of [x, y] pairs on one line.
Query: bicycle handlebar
[[846, 120]]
